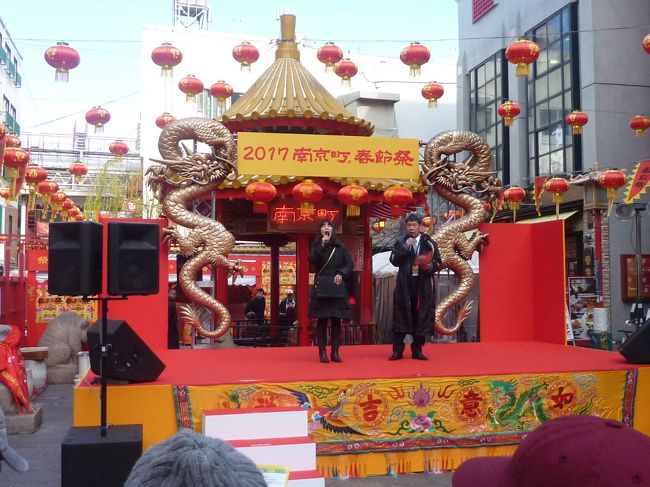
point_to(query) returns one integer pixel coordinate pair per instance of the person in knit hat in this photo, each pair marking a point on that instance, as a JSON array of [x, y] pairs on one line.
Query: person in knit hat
[[189, 459]]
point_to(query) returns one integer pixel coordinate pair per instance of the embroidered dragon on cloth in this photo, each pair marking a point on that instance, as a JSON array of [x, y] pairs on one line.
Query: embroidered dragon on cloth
[[181, 176], [466, 184]]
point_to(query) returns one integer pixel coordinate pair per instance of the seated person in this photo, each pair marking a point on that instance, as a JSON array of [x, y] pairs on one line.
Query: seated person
[[288, 308], [255, 307]]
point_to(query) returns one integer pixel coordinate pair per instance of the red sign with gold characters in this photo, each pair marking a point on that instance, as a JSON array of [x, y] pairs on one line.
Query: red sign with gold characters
[[287, 215]]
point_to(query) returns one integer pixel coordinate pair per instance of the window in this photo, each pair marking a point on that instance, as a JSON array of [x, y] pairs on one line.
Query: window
[[488, 89], [206, 104], [553, 91], [480, 8]]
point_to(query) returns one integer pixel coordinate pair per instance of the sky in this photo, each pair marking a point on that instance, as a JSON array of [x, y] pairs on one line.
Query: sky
[[107, 34]]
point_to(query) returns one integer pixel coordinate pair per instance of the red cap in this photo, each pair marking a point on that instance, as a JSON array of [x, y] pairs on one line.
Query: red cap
[[576, 451]]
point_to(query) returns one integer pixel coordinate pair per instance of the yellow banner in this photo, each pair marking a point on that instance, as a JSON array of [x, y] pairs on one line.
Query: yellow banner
[[402, 414], [327, 156]]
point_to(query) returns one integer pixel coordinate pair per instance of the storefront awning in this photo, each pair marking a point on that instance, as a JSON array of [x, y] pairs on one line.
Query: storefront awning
[[549, 218]]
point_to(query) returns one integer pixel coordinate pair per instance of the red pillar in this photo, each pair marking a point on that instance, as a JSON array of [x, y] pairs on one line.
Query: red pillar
[[302, 278], [598, 258], [366, 276], [221, 282], [275, 288]]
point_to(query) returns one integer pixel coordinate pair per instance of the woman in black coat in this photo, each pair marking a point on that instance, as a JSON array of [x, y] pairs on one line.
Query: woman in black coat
[[334, 265]]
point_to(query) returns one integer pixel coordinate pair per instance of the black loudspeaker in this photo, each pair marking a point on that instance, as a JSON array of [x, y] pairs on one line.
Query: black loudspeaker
[[636, 349], [133, 258], [87, 458], [75, 259], [130, 358]]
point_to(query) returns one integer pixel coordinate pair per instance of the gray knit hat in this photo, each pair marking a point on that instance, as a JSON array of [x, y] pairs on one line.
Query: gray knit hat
[[190, 459]]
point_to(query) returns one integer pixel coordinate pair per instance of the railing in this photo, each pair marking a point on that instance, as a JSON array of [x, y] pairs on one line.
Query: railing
[[260, 333]]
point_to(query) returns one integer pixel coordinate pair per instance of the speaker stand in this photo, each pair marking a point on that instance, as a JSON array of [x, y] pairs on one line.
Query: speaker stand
[[105, 354]]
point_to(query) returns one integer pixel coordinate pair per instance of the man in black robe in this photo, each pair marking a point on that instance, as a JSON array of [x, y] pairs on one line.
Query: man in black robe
[[417, 257]]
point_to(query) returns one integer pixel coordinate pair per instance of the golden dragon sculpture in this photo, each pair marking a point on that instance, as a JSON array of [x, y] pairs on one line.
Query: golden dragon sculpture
[[180, 177], [466, 184]]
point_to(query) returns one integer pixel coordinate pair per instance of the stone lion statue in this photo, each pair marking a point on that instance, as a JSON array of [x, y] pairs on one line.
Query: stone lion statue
[[64, 336]]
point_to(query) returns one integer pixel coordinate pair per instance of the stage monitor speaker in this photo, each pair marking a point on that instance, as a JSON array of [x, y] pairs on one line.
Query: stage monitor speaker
[[636, 349], [75, 259], [87, 458], [130, 358], [133, 258]]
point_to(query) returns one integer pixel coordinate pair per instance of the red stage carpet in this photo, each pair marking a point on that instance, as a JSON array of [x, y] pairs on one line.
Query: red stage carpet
[[210, 367]]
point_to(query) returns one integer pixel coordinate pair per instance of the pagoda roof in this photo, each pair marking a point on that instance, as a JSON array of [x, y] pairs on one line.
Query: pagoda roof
[[288, 98]]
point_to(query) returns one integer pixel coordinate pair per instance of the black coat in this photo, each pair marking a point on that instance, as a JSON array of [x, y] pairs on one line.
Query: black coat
[[409, 289], [340, 263]]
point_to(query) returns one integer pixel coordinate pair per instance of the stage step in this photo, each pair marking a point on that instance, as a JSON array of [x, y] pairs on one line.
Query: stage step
[[250, 424], [296, 453], [306, 478]]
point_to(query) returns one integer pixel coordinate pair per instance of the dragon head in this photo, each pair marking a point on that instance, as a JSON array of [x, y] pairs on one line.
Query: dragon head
[[470, 176]]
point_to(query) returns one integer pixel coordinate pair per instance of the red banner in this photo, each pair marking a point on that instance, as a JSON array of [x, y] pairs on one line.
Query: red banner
[[638, 181]]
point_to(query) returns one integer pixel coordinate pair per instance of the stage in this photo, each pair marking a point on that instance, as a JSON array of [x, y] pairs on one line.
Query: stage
[[371, 416]]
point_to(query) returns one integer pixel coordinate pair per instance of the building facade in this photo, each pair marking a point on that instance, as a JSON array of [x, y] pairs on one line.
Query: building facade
[[591, 59]]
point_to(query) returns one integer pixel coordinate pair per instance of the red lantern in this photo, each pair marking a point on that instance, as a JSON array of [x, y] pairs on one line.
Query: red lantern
[[78, 170], [67, 205], [379, 226], [33, 176], [245, 54], [640, 123], [98, 117], [345, 69], [429, 221], [576, 119], [612, 179], [56, 200], [646, 43], [557, 187], [329, 54], [307, 193], [221, 90], [432, 91], [353, 196], [514, 195], [73, 212], [522, 52], [46, 188], [163, 120], [80, 217], [191, 86], [260, 193], [397, 197], [12, 140], [63, 58], [415, 55], [508, 111], [166, 56], [118, 149], [15, 159]]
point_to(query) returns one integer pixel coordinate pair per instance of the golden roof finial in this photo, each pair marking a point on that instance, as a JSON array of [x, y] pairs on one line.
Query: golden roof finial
[[287, 48]]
